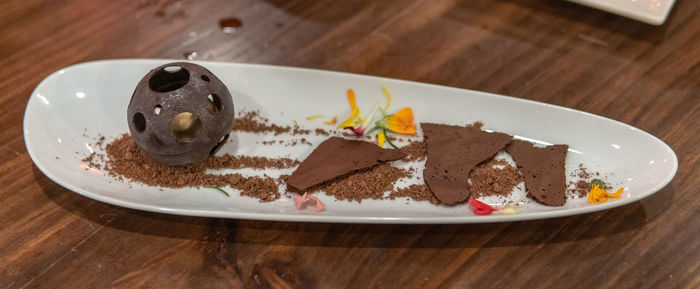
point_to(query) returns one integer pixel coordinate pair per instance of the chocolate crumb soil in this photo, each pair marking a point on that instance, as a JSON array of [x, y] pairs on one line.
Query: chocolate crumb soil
[[297, 131], [127, 161], [414, 151], [579, 187], [487, 180], [252, 121], [92, 160], [367, 184], [416, 192], [252, 162]]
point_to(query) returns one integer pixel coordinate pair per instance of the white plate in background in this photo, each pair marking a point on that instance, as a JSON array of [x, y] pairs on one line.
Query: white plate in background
[[652, 12], [91, 98]]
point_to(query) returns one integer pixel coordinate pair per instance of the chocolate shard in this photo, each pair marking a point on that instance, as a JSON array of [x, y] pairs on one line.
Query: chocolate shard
[[453, 151], [336, 157], [543, 170]]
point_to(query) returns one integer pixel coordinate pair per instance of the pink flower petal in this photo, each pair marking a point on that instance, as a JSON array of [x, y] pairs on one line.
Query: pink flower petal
[[359, 131], [319, 205], [299, 202]]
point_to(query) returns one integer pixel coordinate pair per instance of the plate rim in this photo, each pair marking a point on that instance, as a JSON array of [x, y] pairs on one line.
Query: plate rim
[[320, 218]]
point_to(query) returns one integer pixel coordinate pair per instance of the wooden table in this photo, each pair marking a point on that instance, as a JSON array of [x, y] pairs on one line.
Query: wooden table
[[551, 51]]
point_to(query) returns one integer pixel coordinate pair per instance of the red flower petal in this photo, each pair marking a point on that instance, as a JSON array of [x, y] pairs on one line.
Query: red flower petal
[[481, 208]]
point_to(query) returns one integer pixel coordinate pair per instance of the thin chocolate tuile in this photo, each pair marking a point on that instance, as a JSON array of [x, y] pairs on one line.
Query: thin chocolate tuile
[[453, 151], [336, 157], [543, 170]]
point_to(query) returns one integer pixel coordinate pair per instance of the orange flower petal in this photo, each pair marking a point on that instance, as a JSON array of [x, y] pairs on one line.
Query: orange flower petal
[[314, 117], [351, 98], [332, 122], [616, 194], [402, 122], [598, 194]]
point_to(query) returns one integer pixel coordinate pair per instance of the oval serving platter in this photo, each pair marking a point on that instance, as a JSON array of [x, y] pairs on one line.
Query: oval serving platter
[[71, 107]]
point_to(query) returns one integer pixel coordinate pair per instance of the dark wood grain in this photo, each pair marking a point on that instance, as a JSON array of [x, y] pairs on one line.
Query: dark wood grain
[[551, 51]]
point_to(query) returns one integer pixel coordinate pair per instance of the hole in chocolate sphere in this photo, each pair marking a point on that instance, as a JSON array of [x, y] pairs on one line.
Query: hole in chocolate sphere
[[169, 78], [157, 109], [214, 104], [205, 78], [185, 127], [139, 121], [218, 145]]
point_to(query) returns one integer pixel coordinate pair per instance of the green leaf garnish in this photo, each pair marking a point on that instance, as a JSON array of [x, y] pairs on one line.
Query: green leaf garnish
[[218, 189], [599, 183]]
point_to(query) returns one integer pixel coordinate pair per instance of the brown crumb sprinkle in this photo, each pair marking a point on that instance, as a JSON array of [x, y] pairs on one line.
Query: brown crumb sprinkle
[[367, 184], [487, 180], [251, 121], [416, 192], [579, 187], [414, 151], [127, 160]]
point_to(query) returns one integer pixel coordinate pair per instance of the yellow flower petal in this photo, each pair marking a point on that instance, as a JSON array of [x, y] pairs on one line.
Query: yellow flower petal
[[314, 117], [388, 98], [402, 122], [350, 121], [381, 138]]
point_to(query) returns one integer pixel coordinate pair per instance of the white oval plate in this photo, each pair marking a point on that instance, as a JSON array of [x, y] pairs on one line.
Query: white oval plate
[[91, 99]]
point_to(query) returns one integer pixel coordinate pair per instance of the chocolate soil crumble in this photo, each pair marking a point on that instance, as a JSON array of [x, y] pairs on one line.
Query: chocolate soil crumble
[[489, 180], [367, 184], [251, 121], [125, 160]]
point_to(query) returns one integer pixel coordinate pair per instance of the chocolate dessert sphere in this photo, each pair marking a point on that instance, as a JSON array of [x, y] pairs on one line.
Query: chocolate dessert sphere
[[180, 114]]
